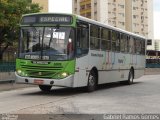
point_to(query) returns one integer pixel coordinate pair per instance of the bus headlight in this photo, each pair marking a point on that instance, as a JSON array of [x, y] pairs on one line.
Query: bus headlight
[[63, 75], [21, 73]]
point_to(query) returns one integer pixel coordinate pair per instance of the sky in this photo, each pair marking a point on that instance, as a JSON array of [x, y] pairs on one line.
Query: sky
[[65, 6], [156, 19]]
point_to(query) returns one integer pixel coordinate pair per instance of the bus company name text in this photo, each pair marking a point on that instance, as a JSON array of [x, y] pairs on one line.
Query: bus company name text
[[96, 55]]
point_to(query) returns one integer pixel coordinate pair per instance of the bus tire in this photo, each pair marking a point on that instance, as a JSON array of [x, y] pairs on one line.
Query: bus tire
[[130, 77], [92, 82], [45, 88]]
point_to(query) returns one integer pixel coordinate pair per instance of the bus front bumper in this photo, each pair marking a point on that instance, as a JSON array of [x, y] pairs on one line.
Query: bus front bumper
[[66, 82]]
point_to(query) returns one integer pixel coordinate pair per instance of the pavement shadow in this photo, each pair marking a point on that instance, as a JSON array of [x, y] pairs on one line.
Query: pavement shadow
[[58, 92], [76, 91], [114, 85]]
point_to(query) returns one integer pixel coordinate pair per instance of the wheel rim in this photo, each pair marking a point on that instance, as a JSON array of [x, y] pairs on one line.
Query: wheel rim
[[131, 77], [91, 80]]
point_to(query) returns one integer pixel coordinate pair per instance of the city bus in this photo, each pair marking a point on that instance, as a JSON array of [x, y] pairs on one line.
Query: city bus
[[152, 59], [68, 50]]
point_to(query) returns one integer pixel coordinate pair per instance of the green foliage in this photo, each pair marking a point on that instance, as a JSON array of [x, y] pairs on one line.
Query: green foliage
[[10, 14]]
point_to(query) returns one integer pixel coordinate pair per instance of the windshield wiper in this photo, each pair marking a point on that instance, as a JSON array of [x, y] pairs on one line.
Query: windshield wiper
[[51, 37], [42, 42]]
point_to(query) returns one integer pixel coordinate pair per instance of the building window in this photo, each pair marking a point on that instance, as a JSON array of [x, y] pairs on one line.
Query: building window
[[149, 42]]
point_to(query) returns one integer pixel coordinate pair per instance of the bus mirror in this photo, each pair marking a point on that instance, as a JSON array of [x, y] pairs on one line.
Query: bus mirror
[[57, 27]]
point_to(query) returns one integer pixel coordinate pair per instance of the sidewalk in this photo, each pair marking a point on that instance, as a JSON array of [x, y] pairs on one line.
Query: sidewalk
[[7, 76], [152, 71], [6, 86], [7, 82]]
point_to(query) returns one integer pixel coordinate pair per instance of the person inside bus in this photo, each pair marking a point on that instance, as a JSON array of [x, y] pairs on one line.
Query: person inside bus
[[70, 51]]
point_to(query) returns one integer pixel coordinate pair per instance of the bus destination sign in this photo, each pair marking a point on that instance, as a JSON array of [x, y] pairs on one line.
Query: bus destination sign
[[47, 19], [62, 19]]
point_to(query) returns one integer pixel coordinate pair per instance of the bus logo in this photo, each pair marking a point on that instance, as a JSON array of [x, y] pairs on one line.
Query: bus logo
[[40, 73]]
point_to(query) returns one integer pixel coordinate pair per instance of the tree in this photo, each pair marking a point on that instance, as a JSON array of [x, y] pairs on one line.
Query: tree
[[10, 14]]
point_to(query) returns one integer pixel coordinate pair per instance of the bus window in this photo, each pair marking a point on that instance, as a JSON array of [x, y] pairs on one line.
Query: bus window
[[115, 41], [118, 42], [131, 45], [105, 39], [114, 38], [122, 43], [143, 46], [82, 39], [138, 46], [95, 37], [127, 44], [134, 45]]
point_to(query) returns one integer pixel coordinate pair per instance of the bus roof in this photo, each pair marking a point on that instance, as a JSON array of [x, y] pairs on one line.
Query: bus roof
[[91, 22], [107, 26]]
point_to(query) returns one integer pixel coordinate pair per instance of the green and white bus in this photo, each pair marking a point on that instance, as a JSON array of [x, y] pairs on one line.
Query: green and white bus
[[72, 51]]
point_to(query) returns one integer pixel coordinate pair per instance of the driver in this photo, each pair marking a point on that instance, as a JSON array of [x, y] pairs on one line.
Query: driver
[[70, 47]]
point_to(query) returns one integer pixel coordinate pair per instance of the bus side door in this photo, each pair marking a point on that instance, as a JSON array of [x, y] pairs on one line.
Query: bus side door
[[82, 49]]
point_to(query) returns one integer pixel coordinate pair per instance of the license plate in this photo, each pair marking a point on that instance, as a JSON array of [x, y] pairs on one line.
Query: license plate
[[39, 82]]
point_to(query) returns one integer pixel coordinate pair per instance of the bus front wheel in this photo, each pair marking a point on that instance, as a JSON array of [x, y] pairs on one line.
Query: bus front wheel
[[92, 82], [45, 88]]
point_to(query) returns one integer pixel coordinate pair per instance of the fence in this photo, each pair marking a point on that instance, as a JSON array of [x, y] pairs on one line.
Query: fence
[[152, 65], [7, 70], [7, 64]]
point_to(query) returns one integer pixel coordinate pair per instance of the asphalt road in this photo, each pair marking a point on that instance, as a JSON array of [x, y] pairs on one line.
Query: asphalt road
[[141, 97]]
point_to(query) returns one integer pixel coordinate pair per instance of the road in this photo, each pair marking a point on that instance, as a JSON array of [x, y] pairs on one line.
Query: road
[[141, 97]]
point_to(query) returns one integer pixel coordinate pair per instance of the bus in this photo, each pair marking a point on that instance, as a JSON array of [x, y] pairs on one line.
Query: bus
[[68, 50], [152, 59]]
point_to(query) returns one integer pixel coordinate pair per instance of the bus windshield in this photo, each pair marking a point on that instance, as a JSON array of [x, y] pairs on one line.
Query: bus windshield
[[47, 43]]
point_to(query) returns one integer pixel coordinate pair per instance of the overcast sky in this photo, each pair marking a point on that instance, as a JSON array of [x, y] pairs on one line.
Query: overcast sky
[[156, 19], [65, 6]]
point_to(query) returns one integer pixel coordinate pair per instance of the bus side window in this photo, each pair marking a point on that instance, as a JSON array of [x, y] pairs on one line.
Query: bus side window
[[131, 45], [95, 37], [143, 47], [128, 39], [118, 42], [125, 43], [138, 46], [114, 39], [105, 39], [82, 43], [122, 44]]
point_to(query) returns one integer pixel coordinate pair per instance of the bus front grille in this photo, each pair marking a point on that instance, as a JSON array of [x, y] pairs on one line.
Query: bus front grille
[[41, 71]]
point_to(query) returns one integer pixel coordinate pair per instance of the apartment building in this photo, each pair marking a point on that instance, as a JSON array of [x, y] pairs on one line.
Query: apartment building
[[42, 3], [93, 9], [132, 15], [157, 45]]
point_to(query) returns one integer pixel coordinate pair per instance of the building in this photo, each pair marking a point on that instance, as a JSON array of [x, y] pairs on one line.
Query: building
[[43, 3], [132, 15], [157, 45]]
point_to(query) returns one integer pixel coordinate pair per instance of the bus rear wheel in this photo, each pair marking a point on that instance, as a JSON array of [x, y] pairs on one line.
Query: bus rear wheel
[[92, 82], [45, 88], [130, 78]]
